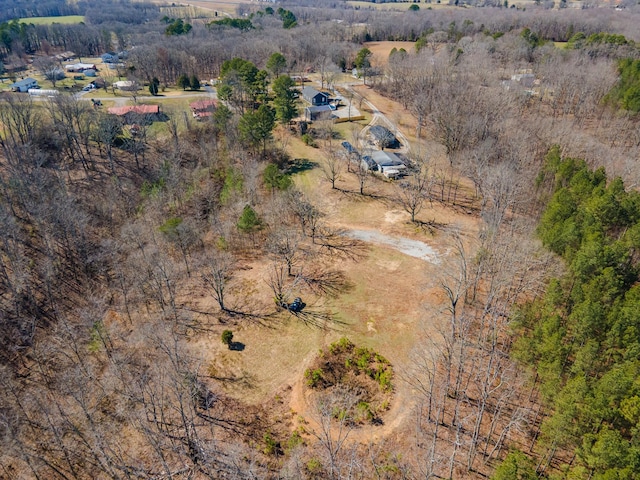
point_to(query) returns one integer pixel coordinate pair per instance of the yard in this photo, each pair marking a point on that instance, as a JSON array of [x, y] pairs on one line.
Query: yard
[[394, 299]]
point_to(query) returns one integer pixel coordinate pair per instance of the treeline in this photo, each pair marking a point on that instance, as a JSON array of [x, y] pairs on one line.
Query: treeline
[[13, 9], [120, 12], [556, 26], [581, 337], [93, 37], [19, 39]]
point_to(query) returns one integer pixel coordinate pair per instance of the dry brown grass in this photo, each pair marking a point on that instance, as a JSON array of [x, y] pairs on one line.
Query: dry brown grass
[[393, 295], [380, 50]]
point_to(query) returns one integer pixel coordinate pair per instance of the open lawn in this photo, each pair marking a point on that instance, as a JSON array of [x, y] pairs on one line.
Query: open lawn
[[51, 20], [380, 50], [392, 299]]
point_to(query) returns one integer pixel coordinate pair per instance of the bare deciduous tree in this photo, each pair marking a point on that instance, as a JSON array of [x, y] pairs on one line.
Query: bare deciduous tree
[[218, 269], [332, 167], [413, 192]]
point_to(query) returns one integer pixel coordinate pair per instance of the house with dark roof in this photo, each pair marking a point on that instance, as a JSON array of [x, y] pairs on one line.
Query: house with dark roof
[[314, 97], [24, 85], [383, 137], [110, 57]]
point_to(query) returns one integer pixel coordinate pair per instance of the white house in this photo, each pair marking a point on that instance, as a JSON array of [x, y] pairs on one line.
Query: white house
[[24, 85]]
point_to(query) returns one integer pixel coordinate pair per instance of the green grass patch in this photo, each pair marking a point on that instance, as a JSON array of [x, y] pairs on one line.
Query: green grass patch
[[67, 19]]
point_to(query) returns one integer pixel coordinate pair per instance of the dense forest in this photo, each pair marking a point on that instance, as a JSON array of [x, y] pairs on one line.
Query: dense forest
[[134, 258]]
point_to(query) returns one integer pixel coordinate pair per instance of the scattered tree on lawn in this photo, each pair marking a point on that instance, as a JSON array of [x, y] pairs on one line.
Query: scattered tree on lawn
[[153, 86], [183, 82], [227, 337], [194, 83], [249, 222]]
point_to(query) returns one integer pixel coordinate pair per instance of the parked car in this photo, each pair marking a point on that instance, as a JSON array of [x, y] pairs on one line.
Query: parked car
[[296, 305]]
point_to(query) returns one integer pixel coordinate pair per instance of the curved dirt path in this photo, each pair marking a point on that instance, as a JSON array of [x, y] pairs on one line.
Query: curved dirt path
[[402, 404], [379, 118]]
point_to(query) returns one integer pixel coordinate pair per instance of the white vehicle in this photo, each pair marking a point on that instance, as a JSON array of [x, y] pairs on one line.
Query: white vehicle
[[40, 92]]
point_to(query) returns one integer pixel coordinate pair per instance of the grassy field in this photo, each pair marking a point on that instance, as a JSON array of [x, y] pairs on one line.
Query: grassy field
[[50, 20], [397, 6], [188, 11], [223, 7]]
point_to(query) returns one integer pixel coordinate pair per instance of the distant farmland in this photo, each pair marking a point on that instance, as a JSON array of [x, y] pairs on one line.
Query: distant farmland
[[50, 20]]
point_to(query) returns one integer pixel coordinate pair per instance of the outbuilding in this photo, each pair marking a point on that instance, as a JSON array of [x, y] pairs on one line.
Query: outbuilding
[[203, 108], [320, 112], [40, 92], [126, 85], [388, 164]]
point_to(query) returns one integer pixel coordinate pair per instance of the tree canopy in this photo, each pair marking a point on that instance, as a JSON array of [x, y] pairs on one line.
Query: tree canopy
[[177, 27], [242, 83], [256, 126], [284, 101], [582, 337], [626, 94]]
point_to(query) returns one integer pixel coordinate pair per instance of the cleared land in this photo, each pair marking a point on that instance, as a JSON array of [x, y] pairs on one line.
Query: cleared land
[[51, 20], [404, 6], [226, 7], [381, 50], [394, 299]]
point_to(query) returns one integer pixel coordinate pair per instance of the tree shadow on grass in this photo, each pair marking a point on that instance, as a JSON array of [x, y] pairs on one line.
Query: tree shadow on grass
[[431, 226], [324, 320], [327, 282], [299, 165]]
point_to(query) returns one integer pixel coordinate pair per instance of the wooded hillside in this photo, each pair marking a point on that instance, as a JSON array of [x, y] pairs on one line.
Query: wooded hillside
[[203, 284]]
